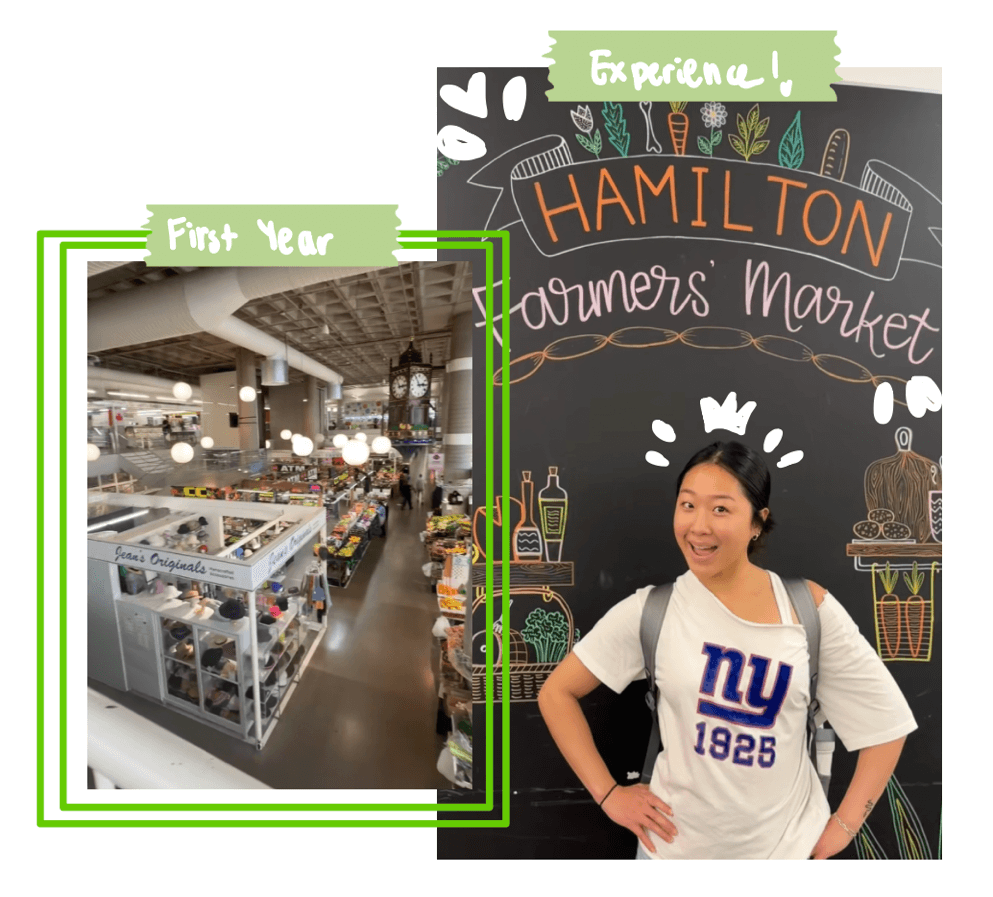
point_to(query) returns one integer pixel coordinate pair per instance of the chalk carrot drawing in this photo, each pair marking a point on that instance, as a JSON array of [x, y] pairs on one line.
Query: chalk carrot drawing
[[835, 159], [617, 129], [652, 144], [715, 116], [747, 142], [888, 612], [914, 610], [904, 626], [791, 146], [679, 128], [582, 118]]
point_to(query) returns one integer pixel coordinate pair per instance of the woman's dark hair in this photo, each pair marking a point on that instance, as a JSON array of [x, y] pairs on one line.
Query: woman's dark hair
[[748, 468]]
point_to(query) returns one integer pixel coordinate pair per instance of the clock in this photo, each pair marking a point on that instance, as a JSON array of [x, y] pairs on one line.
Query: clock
[[399, 386], [418, 384]]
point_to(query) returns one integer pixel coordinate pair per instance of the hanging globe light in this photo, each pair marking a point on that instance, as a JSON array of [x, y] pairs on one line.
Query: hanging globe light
[[92, 451], [361, 437], [246, 394], [286, 434], [207, 442], [303, 445], [182, 391], [355, 453], [381, 445], [339, 440], [268, 444], [182, 452]]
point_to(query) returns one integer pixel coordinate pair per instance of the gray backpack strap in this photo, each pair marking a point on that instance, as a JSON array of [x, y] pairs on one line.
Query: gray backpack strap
[[652, 617], [819, 739]]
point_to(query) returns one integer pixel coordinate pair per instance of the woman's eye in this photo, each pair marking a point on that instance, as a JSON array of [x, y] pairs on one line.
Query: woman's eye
[[721, 509]]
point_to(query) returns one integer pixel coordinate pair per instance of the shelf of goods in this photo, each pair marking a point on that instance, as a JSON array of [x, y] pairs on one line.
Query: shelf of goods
[[455, 695], [449, 549], [348, 541], [210, 610]]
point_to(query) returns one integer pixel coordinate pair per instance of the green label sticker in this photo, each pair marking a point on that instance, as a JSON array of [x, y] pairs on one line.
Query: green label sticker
[[692, 65], [262, 235]]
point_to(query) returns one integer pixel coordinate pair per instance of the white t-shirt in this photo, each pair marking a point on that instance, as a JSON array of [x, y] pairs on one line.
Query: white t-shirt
[[733, 714]]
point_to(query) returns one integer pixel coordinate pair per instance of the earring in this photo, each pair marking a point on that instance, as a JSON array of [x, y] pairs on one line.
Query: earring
[[755, 537]]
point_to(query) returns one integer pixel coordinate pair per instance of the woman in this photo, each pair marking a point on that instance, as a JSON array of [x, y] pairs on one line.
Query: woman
[[734, 779]]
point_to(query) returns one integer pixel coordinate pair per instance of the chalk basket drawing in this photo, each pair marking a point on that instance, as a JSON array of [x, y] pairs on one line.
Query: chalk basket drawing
[[540, 631], [899, 545]]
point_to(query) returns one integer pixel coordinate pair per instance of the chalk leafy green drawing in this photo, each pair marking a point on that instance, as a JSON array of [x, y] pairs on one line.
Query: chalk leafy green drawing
[[593, 146], [791, 146], [747, 142], [444, 163], [617, 131]]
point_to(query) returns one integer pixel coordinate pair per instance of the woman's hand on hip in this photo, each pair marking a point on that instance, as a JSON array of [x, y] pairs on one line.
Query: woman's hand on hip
[[833, 839], [637, 809]]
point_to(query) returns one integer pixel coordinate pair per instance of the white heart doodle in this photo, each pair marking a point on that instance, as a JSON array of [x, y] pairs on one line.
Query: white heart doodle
[[471, 101], [785, 87]]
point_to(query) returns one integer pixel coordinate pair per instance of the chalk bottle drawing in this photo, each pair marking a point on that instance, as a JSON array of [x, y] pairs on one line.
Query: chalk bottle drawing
[[552, 508], [527, 536]]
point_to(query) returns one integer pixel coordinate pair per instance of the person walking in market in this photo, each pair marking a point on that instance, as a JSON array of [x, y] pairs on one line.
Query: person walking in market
[[419, 488], [405, 489]]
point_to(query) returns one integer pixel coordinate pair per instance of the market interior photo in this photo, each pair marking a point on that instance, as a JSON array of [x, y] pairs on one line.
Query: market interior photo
[[278, 533]]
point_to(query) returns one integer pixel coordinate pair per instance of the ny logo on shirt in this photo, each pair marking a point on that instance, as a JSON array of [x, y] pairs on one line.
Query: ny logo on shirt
[[765, 708]]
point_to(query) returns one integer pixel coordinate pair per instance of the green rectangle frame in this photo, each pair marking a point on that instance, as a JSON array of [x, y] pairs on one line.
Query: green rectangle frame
[[407, 240]]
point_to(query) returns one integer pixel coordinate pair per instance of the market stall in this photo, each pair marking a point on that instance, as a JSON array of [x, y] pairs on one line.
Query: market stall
[[209, 619]]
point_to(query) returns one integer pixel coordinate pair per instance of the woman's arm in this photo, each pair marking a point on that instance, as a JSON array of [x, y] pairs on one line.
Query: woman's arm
[[872, 772], [634, 807]]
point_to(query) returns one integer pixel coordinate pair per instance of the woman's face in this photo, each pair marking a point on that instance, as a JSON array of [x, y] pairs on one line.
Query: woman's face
[[713, 522]]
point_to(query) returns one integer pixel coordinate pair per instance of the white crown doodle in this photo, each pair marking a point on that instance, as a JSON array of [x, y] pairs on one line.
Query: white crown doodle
[[726, 416], [723, 417]]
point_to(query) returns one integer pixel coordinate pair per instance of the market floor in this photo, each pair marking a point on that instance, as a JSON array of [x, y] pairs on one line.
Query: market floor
[[365, 710]]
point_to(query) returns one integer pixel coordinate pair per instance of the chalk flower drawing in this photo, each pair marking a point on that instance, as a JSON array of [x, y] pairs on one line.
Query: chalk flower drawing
[[747, 142], [582, 118], [715, 116]]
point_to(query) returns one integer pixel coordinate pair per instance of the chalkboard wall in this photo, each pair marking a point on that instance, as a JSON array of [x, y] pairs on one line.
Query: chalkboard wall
[[790, 255]]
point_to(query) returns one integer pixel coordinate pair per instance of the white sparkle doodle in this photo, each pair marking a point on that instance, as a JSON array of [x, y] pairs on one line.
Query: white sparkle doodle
[[790, 458], [462, 145], [664, 432], [772, 439]]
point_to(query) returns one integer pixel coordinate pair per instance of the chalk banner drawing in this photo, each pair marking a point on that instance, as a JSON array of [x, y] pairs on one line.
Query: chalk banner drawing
[[547, 634], [562, 204]]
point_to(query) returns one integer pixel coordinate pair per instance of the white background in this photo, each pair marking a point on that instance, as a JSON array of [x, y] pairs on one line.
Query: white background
[[109, 106]]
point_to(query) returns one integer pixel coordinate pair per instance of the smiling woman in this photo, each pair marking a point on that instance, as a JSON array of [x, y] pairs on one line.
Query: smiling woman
[[733, 673]]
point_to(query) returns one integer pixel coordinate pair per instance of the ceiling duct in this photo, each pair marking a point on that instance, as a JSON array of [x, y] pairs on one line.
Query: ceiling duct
[[275, 372], [206, 300]]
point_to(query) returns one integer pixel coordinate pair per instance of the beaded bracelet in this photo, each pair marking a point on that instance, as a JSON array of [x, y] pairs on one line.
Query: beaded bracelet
[[845, 827], [607, 795]]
